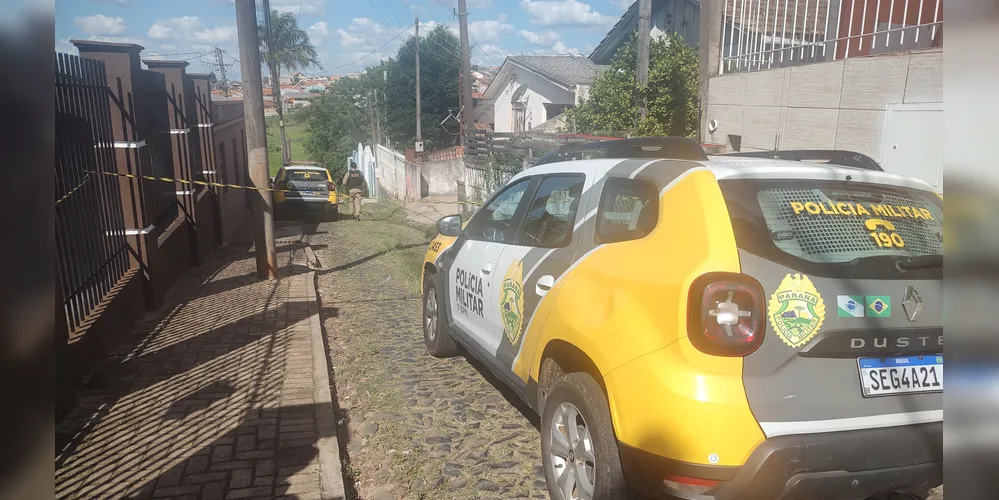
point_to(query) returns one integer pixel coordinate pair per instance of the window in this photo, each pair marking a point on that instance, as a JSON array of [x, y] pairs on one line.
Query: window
[[495, 221], [629, 210], [830, 228], [552, 213]]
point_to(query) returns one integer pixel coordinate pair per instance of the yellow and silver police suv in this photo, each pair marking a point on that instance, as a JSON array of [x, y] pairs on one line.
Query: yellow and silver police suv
[[744, 326], [305, 189]]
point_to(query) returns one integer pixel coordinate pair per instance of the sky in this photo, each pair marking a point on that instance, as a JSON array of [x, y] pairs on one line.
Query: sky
[[348, 34]]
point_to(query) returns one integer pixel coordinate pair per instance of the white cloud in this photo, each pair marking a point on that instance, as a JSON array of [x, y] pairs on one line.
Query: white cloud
[[314, 7], [190, 28], [565, 13], [488, 55], [317, 32], [488, 31], [561, 49], [543, 39], [100, 25]]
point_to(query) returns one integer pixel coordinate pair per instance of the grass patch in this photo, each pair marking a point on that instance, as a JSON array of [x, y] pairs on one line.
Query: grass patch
[[294, 129]]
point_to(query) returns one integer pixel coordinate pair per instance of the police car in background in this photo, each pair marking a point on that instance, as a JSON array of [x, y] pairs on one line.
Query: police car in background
[[729, 327]]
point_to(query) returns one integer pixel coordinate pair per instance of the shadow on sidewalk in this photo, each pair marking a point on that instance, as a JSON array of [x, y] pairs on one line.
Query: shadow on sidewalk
[[208, 398]]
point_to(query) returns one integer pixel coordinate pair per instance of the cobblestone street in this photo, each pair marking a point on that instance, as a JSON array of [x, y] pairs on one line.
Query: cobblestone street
[[415, 426]]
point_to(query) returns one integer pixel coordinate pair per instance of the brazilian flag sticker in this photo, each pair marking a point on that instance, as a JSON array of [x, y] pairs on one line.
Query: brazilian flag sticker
[[878, 306]]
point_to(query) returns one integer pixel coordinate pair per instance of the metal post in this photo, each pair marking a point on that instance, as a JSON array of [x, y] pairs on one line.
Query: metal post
[[256, 139], [374, 131], [419, 134], [642, 71], [466, 72]]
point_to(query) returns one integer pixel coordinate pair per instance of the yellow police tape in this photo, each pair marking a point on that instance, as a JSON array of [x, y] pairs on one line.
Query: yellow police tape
[[235, 186]]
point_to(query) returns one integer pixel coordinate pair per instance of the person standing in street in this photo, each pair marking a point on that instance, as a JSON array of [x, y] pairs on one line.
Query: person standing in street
[[357, 188]]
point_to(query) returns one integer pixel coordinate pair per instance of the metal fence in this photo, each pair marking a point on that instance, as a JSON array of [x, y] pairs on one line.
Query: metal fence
[[91, 250], [765, 34]]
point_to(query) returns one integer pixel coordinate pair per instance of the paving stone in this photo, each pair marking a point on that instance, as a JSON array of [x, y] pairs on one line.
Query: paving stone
[[189, 402], [440, 416]]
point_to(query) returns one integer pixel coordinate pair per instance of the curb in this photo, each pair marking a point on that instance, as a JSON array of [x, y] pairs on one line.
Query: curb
[[331, 485]]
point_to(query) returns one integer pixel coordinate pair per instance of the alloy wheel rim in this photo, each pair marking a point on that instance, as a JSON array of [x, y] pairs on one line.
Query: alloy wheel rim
[[430, 317], [573, 461]]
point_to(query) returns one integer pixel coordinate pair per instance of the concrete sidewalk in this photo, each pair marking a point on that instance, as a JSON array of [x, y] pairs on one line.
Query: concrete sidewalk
[[222, 393]]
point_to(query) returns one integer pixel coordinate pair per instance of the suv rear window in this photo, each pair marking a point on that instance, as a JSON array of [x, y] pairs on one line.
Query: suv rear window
[[305, 175], [835, 228]]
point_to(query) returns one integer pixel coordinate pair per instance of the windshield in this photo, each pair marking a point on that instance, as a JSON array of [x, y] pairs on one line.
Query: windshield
[[823, 226]]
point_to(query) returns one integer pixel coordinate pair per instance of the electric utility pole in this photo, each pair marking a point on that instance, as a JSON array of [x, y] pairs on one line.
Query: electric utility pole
[[378, 122], [466, 73], [642, 71], [256, 140], [419, 134]]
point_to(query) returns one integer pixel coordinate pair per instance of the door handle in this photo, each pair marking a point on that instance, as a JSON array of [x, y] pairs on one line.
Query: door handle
[[488, 268], [545, 284]]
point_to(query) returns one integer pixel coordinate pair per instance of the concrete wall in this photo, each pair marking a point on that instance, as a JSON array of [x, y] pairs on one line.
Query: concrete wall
[[831, 105], [391, 173], [539, 92], [440, 178]]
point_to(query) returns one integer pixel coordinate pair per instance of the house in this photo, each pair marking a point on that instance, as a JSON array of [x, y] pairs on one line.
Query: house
[[668, 16], [531, 89], [863, 75]]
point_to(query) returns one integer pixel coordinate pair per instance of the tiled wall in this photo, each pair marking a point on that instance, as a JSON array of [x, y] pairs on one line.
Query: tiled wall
[[833, 105]]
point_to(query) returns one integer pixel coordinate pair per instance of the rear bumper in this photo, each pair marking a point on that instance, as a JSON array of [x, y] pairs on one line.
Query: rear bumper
[[834, 465], [307, 203]]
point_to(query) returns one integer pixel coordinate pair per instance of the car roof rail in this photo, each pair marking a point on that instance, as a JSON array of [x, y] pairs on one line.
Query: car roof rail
[[839, 157], [675, 148]]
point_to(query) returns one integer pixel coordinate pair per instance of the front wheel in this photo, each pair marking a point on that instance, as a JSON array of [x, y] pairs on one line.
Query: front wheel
[[435, 330], [578, 448]]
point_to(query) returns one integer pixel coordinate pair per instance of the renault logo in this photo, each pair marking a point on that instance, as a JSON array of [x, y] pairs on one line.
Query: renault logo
[[911, 303]]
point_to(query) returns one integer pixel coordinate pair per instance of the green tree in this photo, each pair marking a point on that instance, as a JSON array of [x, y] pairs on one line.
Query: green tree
[[284, 45], [612, 105], [439, 64], [335, 122]]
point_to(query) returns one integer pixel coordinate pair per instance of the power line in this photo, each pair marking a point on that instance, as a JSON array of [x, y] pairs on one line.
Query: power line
[[390, 40]]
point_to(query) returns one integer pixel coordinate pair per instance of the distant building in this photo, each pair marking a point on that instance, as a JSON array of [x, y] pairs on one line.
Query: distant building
[[668, 16], [531, 89]]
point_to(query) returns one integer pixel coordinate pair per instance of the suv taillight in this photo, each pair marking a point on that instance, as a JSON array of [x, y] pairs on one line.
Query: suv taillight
[[280, 185], [725, 314], [330, 186]]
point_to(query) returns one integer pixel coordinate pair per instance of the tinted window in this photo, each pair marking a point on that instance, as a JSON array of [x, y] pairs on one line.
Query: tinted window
[[835, 228], [552, 212], [495, 221], [306, 175], [629, 210]]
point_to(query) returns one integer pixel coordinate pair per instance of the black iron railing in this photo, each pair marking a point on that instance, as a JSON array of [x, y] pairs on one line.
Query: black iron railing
[[91, 248]]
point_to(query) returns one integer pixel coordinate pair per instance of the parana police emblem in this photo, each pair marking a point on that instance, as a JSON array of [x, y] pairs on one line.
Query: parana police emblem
[[512, 301], [796, 310]]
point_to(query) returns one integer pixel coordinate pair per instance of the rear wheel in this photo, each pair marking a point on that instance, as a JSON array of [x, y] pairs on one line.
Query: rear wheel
[[332, 213], [578, 447], [435, 331]]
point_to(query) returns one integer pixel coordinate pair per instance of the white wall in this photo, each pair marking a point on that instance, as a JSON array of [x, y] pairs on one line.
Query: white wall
[[832, 105], [539, 92], [391, 173]]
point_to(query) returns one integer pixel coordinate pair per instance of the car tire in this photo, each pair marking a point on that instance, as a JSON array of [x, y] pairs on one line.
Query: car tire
[[436, 335], [595, 462]]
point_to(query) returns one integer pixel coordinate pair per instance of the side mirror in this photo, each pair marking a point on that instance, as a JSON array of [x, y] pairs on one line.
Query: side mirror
[[449, 225]]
